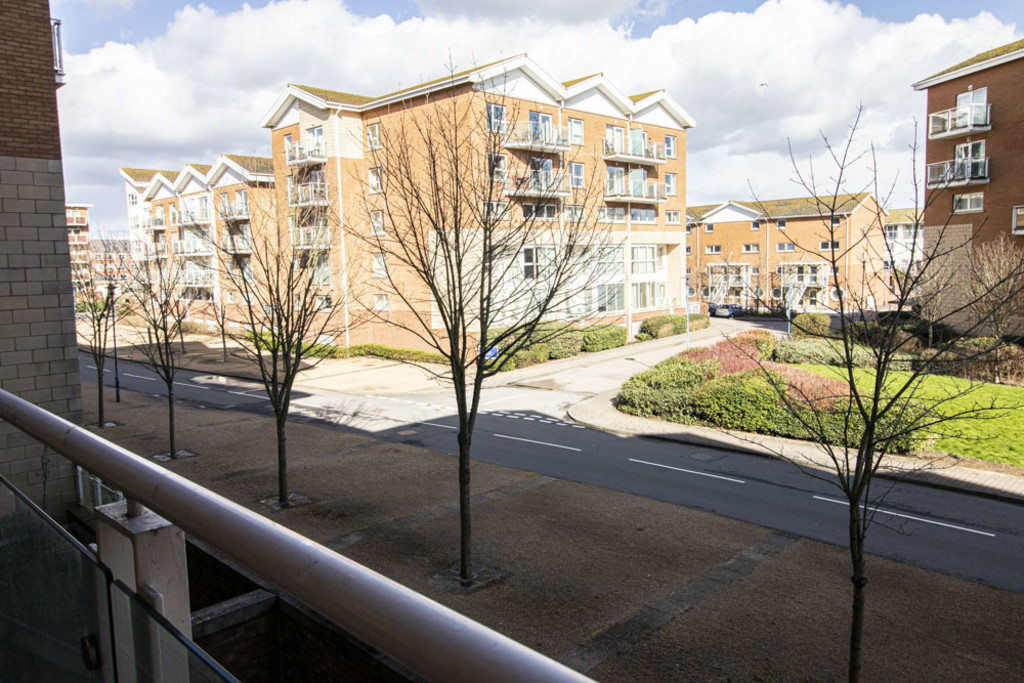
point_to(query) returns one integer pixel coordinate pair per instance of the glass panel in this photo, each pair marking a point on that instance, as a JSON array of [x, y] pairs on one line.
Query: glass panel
[[53, 599]]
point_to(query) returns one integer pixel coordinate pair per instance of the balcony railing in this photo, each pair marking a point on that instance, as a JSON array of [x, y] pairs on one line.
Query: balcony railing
[[311, 237], [198, 216], [634, 151], [234, 211], [434, 642], [308, 194], [152, 222], [969, 118], [58, 51], [147, 250], [627, 190], [955, 172], [236, 244], [537, 136], [195, 277], [306, 152], [192, 247], [537, 184]]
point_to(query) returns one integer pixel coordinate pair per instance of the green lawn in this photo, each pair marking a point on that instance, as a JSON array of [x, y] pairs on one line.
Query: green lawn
[[996, 436]]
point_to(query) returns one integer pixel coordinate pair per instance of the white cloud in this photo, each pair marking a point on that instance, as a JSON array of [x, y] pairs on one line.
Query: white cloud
[[200, 89]]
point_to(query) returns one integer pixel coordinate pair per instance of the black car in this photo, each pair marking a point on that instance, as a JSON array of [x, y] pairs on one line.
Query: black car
[[725, 310]]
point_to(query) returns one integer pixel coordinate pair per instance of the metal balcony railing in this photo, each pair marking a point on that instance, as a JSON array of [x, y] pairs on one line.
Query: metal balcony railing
[[236, 244], [311, 237], [431, 640], [970, 118], [152, 222], [958, 172], [627, 190], [537, 184], [195, 277], [192, 247], [234, 211], [540, 137], [306, 152], [195, 216], [308, 194], [634, 151]]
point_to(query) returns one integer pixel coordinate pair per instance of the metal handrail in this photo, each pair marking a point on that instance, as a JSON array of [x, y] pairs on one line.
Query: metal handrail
[[428, 638]]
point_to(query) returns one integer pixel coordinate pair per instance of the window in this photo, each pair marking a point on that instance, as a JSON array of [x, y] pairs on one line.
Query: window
[[670, 184], [643, 215], [375, 181], [540, 212], [963, 203], [611, 298], [288, 145], [495, 211], [499, 167], [785, 246], [377, 222], [673, 217], [689, 250], [781, 224], [971, 109], [573, 213], [380, 265], [536, 261], [710, 227], [836, 220], [229, 297], [713, 249], [647, 294], [609, 260], [576, 131], [576, 174], [828, 246], [373, 136], [755, 225], [495, 118], [1018, 220], [644, 260], [133, 199], [611, 214], [670, 146], [323, 302], [380, 302], [751, 248]]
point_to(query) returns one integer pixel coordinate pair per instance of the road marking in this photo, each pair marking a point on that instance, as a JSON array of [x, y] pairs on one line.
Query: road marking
[[530, 419], [434, 424], [541, 443], [194, 386], [916, 519], [151, 379], [680, 469], [504, 398], [247, 395]]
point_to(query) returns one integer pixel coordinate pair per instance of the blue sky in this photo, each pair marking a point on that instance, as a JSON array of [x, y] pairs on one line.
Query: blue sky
[[158, 84]]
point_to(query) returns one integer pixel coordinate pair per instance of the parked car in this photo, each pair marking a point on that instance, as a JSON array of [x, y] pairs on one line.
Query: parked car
[[725, 310]]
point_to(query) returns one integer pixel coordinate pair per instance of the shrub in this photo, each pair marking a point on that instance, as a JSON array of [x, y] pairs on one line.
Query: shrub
[[812, 325], [532, 355], [819, 352], [668, 325], [387, 352], [872, 333], [810, 388], [665, 390], [602, 337], [844, 427], [744, 400], [730, 355], [563, 341], [192, 327], [957, 362], [762, 339]]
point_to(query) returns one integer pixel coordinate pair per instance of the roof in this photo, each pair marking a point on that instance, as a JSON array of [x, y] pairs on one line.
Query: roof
[[574, 81], [698, 211], [979, 62], [796, 207], [985, 56], [904, 216], [260, 165], [202, 168], [335, 96], [144, 175], [645, 95]]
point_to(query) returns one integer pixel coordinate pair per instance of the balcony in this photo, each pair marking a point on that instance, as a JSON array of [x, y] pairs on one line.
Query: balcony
[[537, 184], [538, 137], [954, 173], [306, 152], [233, 211], [308, 194], [58, 52], [195, 277], [143, 251], [152, 223], [648, 152], [236, 244], [638, 192], [196, 216], [192, 247], [311, 237], [962, 120]]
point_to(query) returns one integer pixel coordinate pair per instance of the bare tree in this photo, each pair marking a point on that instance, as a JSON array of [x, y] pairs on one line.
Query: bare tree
[[458, 263], [282, 278], [155, 286], [97, 311], [997, 290], [882, 407]]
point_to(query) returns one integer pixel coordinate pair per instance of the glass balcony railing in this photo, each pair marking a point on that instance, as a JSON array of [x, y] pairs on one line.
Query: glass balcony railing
[[537, 184], [310, 237], [960, 121], [236, 244], [634, 151], [306, 152], [308, 194], [957, 172], [628, 190], [537, 136], [234, 211]]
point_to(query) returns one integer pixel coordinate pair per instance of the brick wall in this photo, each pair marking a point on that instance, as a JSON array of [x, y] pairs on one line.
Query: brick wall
[[38, 352]]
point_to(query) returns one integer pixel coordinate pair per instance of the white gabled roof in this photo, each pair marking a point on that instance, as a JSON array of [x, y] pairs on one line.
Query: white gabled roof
[[225, 162], [190, 172], [154, 186]]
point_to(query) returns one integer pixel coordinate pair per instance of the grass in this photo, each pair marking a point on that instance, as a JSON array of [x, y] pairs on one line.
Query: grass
[[992, 435]]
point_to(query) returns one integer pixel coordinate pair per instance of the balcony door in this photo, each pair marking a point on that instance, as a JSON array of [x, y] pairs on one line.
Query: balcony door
[[969, 161], [637, 142], [616, 179], [971, 108], [638, 182], [540, 126], [541, 170], [616, 138]]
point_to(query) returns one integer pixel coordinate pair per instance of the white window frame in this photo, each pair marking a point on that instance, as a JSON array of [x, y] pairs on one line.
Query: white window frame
[[670, 185], [377, 222], [374, 180], [837, 221], [709, 227], [373, 136], [670, 146], [755, 225], [576, 174], [643, 216], [617, 213], [573, 213], [829, 245], [689, 249], [969, 201], [575, 131], [644, 259], [323, 301], [785, 247], [673, 217], [381, 304], [495, 210], [496, 118], [611, 298], [712, 249], [548, 212], [379, 266], [1018, 220], [752, 248], [781, 224], [498, 165]]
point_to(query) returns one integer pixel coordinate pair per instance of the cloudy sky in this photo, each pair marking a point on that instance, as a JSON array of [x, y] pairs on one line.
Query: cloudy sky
[[157, 84]]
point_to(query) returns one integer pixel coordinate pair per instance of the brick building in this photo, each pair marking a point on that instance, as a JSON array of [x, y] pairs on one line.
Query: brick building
[[38, 351], [762, 254], [558, 137]]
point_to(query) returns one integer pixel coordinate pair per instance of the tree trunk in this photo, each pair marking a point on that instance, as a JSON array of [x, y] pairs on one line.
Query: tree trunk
[[224, 341], [181, 336], [859, 582], [465, 516], [170, 418], [99, 394], [282, 464], [930, 334], [999, 376]]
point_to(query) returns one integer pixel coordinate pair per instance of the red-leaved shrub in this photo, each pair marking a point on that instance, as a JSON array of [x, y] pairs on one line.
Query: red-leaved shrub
[[732, 355]]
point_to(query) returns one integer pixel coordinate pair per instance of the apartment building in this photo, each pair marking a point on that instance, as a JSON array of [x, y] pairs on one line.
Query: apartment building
[[975, 177], [78, 232], [557, 137], [770, 254]]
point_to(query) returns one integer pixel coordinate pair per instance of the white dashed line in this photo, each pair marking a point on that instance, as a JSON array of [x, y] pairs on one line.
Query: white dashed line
[[434, 424], [680, 469], [540, 443], [916, 519], [150, 379], [194, 386]]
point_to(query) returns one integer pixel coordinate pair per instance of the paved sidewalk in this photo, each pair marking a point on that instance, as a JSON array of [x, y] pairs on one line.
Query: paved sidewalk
[[599, 412]]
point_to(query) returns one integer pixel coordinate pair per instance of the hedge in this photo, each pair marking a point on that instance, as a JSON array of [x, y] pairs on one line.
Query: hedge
[[762, 339], [820, 352], [668, 325], [563, 341], [603, 337], [666, 390], [744, 401], [812, 325]]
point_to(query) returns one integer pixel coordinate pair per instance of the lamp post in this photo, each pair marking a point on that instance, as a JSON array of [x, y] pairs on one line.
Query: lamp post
[[113, 314]]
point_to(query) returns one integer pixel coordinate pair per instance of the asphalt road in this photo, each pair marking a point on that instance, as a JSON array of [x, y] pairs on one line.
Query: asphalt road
[[963, 535]]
